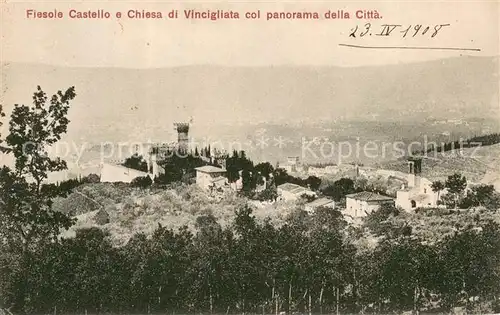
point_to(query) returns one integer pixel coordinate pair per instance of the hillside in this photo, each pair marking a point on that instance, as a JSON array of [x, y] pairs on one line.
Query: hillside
[[477, 164], [132, 210]]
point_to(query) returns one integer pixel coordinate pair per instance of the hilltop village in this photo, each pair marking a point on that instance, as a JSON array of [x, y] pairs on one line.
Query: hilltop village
[[357, 192]]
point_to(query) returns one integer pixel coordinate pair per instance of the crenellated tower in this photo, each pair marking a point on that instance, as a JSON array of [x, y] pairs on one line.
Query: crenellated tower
[[182, 136]]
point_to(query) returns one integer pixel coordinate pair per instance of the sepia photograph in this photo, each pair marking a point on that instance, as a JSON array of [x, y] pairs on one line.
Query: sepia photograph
[[249, 157]]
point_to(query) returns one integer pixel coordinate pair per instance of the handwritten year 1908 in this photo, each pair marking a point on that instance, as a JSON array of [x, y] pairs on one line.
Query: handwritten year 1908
[[391, 29]]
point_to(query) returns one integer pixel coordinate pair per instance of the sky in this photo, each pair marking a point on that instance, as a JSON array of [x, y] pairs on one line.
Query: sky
[[136, 43]]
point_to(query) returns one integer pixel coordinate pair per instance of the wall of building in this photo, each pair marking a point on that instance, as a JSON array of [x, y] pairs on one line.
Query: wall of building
[[422, 187], [361, 208], [355, 208], [116, 173], [204, 180], [403, 199]]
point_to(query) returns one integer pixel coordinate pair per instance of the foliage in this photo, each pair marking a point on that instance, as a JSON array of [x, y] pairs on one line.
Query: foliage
[[281, 176], [141, 181], [482, 196], [313, 182], [455, 185], [92, 178], [437, 187], [264, 169], [268, 194], [483, 140], [27, 218], [178, 168], [376, 220], [236, 163], [253, 266], [26, 213], [340, 189], [136, 162]]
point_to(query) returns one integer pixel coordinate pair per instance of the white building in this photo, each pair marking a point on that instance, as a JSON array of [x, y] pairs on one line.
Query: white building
[[418, 193], [116, 173], [292, 165], [292, 192], [320, 203], [209, 176], [363, 203]]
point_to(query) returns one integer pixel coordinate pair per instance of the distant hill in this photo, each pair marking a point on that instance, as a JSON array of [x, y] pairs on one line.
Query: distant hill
[[479, 165], [137, 103]]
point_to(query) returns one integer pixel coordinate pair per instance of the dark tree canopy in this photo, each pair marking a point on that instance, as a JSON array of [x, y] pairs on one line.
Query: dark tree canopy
[[136, 162]]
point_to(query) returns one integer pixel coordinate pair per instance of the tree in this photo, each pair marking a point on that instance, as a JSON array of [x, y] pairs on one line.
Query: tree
[[247, 179], [340, 189], [482, 195], [136, 162], [313, 182], [25, 212], [91, 178], [280, 176], [437, 187], [142, 182], [377, 221], [456, 185], [268, 194], [265, 169]]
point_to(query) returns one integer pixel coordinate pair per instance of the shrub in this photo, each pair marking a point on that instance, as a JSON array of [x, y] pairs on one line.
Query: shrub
[[91, 178], [142, 182]]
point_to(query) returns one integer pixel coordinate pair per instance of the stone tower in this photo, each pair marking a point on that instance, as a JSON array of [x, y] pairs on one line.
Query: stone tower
[[414, 170], [182, 136]]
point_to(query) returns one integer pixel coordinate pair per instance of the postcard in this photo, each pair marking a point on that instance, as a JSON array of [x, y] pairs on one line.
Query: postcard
[[249, 157]]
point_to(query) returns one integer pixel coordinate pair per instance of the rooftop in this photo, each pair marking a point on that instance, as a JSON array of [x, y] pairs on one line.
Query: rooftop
[[125, 169], [320, 202], [369, 196], [210, 169]]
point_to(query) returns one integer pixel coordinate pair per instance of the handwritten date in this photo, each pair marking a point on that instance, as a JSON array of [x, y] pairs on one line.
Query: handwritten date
[[397, 30]]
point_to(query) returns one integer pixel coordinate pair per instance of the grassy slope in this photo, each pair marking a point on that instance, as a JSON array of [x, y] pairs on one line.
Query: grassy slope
[[478, 165], [133, 210]]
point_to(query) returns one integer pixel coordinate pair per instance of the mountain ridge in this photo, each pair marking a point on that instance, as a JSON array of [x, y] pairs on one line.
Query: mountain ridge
[[124, 100]]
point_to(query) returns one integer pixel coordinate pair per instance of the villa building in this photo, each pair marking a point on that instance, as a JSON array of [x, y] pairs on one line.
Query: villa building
[[418, 193], [363, 203], [292, 192], [209, 176]]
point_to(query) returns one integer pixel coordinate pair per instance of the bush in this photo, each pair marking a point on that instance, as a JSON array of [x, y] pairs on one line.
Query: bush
[[91, 179], [377, 220], [142, 182], [268, 194]]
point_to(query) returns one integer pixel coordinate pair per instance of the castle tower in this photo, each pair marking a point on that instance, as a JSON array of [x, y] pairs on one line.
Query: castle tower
[[182, 136], [414, 170]]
